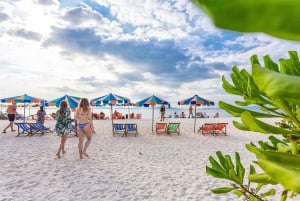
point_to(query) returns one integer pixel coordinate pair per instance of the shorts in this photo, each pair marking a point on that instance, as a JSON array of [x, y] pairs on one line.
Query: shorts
[[11, 117]]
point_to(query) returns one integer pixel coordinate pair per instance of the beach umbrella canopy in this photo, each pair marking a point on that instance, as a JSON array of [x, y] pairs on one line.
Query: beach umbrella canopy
[[196, 101], [110, 99], [22, 99], [72, 101], [152, 101]]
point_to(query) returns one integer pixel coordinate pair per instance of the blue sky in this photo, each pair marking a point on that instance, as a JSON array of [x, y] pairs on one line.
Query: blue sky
[[137, 48]]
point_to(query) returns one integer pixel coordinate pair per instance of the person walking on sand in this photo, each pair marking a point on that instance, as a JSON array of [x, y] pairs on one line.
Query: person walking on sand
[[11, 114], [191, 111], [62, 126], [162, 112], [41, 113], [85, 128]]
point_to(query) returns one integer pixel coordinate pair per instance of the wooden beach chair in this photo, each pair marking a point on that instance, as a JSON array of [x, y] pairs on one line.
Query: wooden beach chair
[[119, 129], [131, 129], [220, 128], [23, 129], [161, 128], [173, 128], [207, 128]]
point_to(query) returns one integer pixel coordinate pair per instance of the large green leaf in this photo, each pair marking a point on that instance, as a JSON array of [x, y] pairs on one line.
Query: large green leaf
[[275, 17]]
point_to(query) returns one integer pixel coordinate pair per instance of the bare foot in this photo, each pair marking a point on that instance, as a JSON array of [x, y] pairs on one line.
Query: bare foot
[[58, 156], [86, 154], [80, 157]]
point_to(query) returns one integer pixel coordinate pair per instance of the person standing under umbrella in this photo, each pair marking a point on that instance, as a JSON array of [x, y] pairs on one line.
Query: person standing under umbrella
[[191, 111], [11, 114], [84, 120], [162, 112], [63, 125], [41, 113]]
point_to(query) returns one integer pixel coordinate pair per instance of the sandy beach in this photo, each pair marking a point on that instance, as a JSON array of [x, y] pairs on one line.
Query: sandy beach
[[147, 167]]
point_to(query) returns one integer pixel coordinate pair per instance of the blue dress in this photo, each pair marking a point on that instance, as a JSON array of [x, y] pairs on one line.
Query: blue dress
[[63, 122]]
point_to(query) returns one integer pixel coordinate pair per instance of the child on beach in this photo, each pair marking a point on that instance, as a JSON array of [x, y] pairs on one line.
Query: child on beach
[[83, 116], [62, 126]]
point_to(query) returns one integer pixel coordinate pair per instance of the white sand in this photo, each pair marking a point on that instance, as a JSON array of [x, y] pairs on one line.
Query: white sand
[[147, 167]]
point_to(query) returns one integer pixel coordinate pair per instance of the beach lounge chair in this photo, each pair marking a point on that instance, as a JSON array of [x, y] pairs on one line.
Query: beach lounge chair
[[220, 128], [207, 128], [39, 128], [23, 129], [131, 129], [119, 129], [161, 128], [173, 128]]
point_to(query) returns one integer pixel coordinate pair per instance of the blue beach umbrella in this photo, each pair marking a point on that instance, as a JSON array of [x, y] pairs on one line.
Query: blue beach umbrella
[[22, 99], [196, 101], [72, 101], [151, 101], [110, 99]]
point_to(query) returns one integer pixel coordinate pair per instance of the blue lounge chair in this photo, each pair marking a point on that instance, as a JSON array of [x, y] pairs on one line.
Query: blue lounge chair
[[24, 129], [39, 128], [131, 128], [119, 129]]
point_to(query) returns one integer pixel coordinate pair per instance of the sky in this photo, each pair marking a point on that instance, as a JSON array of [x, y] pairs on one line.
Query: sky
[[132, 48]]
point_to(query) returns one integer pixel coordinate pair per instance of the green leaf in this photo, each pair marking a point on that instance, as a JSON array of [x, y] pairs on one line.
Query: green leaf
[[277, 85], [237, 111], [287, 177], [270, 192], [261, 178], [259, 126], [255, 16], [216, 173], [222, 190], [240, 170]]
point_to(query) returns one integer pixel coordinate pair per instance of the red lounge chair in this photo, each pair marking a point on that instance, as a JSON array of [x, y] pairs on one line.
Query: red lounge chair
[[207, 128], [161, 128], [220, 128]]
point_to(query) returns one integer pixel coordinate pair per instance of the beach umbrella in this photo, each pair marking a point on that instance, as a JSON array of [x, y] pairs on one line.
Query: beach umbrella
[[196, 101], [110, 99], [72, 101], [151, 101], [22, 99]]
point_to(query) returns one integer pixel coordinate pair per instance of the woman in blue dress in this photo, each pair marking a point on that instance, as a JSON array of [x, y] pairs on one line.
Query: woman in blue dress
[[62, 126]]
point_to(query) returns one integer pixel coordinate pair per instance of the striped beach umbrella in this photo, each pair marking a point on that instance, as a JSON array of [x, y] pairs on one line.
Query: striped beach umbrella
[[72, 101], [110, 99], [152, 101], [196, 101], [22, 99]]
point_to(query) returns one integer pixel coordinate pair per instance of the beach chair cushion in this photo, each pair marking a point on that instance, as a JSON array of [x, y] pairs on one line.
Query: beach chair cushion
[[131, 128], [161, 128], [23, 129], [173, 128], [119, 129]]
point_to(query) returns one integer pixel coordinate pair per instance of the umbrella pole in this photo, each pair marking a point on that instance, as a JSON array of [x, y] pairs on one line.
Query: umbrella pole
[[24, 113], [195, 119], [112, 119], [152, 117]]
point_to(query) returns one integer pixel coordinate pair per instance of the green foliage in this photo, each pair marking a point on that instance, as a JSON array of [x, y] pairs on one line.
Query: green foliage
[[274, 87], [275, 17]]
